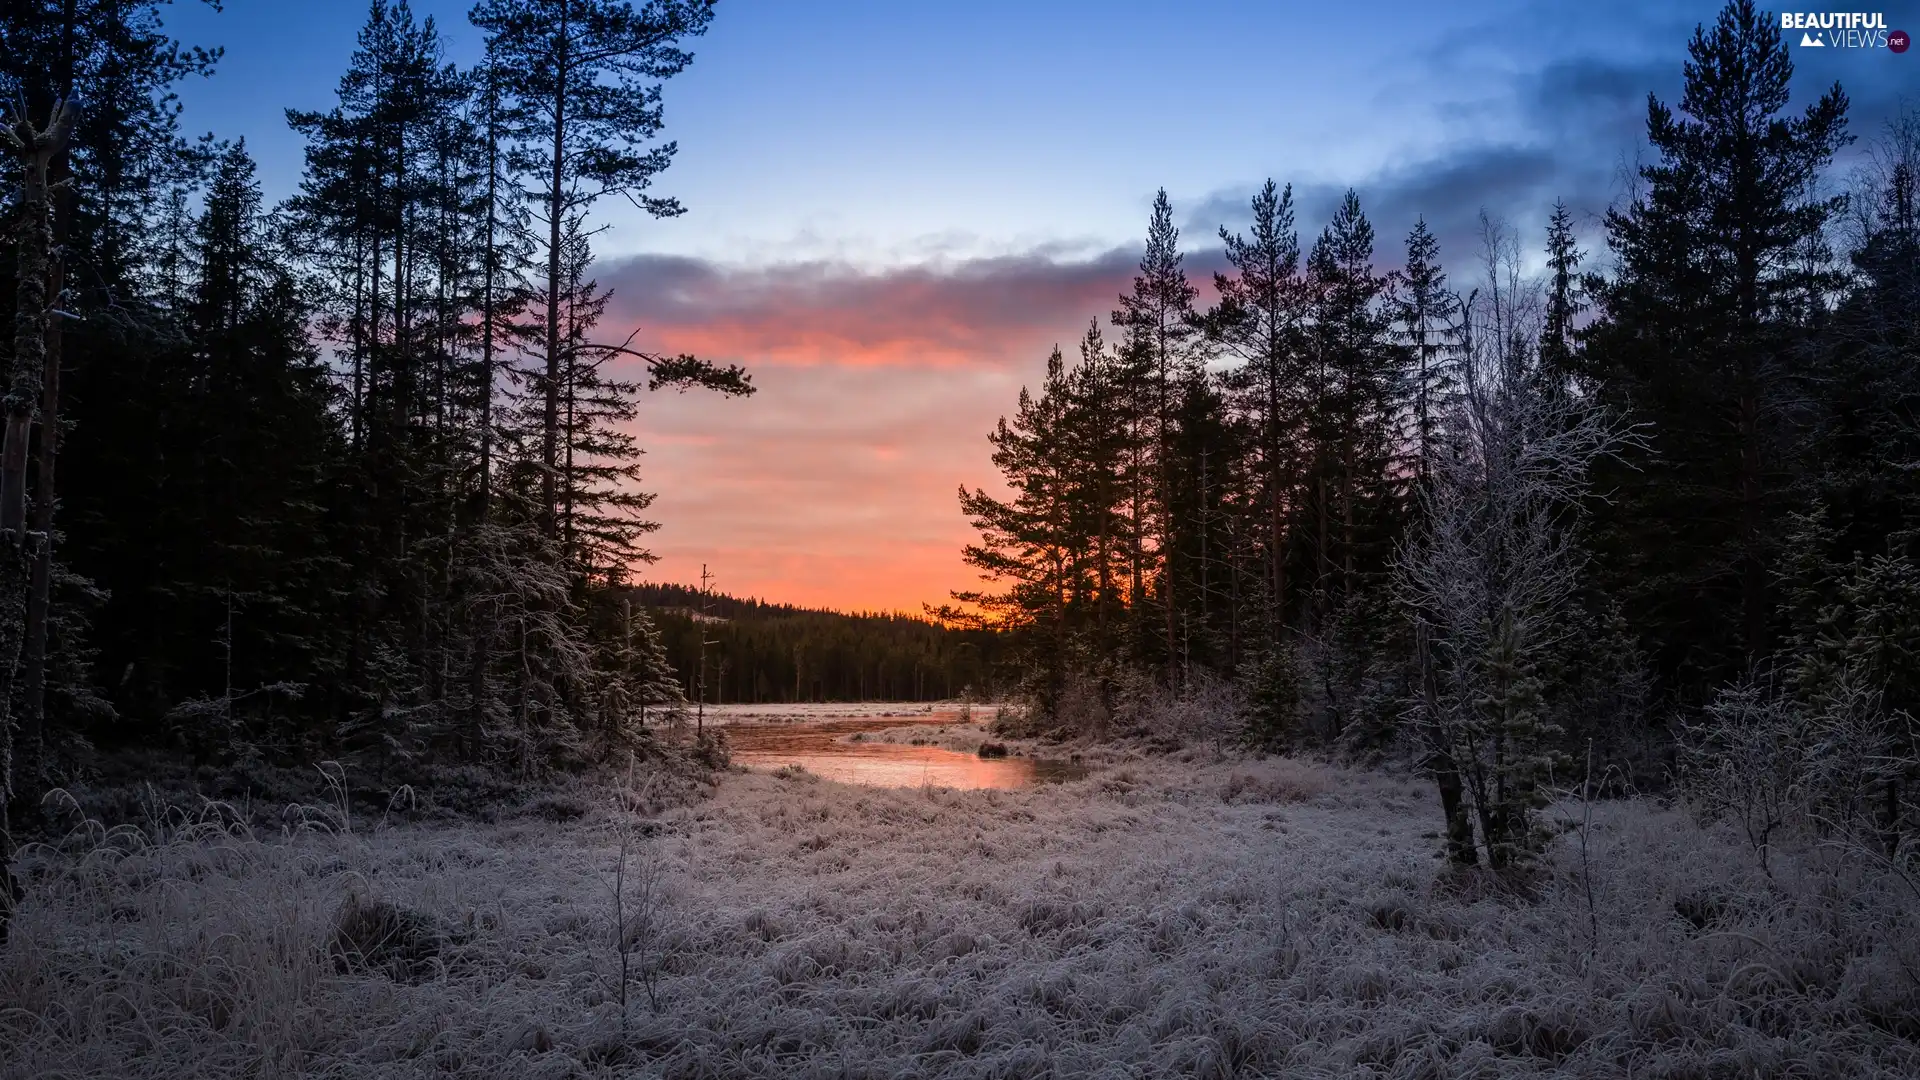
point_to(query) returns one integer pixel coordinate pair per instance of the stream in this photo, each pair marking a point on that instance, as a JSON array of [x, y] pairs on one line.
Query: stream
[[841, 748]]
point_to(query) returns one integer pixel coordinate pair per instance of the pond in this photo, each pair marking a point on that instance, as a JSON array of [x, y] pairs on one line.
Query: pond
[[844, 748]]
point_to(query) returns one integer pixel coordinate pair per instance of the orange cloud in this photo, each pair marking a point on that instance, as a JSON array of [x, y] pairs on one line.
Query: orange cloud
[[792, 501], [834, 485]]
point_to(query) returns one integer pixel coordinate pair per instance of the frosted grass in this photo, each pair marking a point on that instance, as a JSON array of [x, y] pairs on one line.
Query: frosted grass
[[1161, 917]]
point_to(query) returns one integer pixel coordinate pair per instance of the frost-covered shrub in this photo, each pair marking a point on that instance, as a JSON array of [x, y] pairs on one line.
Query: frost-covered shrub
[[1275, 693], [1274, 780], [1832, 762], [1206, 709], [1742, 762], [1858, 771], [556, 806], [1492, 572], [1081, 708], [710, 749]]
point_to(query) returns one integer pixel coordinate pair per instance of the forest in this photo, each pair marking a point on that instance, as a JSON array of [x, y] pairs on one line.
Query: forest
[[1498, 662], [759, 652], [351, 474], [1528, 516]]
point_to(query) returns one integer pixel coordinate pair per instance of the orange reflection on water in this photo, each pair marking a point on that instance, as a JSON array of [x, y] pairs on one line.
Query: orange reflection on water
[[818, 747]]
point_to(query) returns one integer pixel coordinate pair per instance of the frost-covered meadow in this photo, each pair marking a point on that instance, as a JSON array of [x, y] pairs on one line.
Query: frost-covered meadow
[[1162, 917]]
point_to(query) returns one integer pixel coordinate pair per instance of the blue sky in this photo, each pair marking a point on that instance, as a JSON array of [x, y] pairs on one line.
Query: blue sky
[[887, 132], [896, 209]]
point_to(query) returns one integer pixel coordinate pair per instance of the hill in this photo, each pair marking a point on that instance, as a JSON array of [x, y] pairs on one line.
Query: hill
[[764, 652]]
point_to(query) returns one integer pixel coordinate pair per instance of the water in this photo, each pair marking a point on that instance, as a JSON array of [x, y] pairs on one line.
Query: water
[[821, 746]]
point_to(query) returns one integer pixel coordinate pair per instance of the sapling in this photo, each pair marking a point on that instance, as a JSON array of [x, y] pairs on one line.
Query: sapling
[[638, 900]]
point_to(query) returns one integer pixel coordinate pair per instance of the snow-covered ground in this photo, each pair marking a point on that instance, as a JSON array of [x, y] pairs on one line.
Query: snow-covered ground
[[1159, 918]]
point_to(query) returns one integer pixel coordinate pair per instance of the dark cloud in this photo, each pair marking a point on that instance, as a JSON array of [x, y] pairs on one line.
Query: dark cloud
[[1567, 128], [1595, 102], [1515, 182]]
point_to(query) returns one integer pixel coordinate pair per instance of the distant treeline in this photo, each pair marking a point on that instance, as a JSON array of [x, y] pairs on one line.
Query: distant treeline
[[761, 652]]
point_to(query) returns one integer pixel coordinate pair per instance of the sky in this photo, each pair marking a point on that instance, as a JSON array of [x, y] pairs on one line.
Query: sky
[[896, 209]]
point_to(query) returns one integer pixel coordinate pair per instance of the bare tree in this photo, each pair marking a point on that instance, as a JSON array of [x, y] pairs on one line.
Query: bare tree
[[1495, 565]]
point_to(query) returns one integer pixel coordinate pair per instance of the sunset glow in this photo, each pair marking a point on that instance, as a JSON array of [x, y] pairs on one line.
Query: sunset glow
[[834, 486], [893, 223]]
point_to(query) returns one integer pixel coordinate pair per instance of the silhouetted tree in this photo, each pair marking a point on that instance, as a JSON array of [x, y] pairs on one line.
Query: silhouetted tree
[[1703, 334]]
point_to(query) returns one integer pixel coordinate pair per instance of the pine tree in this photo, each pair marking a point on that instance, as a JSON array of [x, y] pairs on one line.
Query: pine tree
[[1207, 457], [389, 205], [264, 450], [1428, 318], [1260, 319], [1159, 321], [601, 503], [1701, 335], [1058, 551], [126, 150], [1025, 544], [584, 78]]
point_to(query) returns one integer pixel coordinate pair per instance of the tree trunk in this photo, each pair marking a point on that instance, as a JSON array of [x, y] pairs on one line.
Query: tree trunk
[[486, 298], [556, 206], [31, 775], [1446, 776], [35, 150], [1446, 770]]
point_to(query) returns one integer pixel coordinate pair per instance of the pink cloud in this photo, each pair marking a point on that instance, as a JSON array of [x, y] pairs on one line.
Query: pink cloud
[[834, 485], [806, 314]]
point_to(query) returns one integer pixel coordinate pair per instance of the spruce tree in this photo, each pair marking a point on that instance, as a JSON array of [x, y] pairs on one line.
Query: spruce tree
[[1104, 429], [1701, 337], [1565, 302], [1351, 387], [1428, 320]]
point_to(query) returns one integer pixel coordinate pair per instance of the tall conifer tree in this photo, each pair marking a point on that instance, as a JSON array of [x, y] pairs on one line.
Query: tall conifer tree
[[1701, 337], [1261, 320], [1159, 320]]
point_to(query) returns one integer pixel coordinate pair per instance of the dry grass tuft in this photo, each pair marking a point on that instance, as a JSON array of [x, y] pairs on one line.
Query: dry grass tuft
[[382, 937]]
